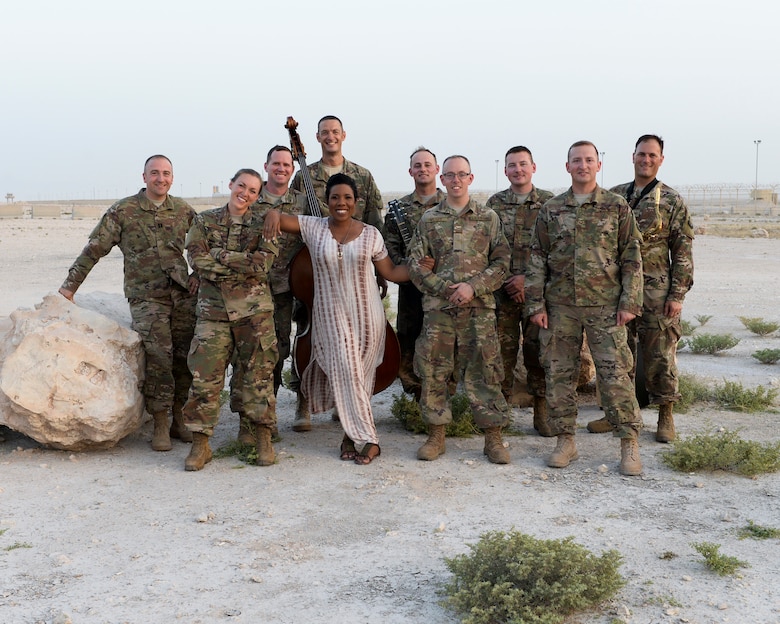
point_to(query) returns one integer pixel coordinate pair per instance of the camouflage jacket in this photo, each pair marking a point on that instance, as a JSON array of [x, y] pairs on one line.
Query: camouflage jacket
[[369, 204], [151, 240], [233, 262], [413, 208], [586, 255], [667, 247], [467, 246], [518, 220], [294, 203]]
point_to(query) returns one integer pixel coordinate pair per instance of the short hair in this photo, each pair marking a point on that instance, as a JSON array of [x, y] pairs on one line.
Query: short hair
[[517, 149], [151, 158], [246, 171], [582, 144], [340, 178], [329, 118], [277, 148], [422, 149], [455, 156], [650, 137]]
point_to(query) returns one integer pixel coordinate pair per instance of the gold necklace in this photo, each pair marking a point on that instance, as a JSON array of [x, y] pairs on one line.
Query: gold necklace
[[343, 240]]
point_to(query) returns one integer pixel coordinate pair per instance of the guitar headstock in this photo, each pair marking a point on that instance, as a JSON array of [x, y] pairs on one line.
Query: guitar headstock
[[295, 140]]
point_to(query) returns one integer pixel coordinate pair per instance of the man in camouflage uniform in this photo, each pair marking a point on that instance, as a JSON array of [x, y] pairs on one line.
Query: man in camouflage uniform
[[368, 208], [276, 193], [517, 207], [667, 263], [585, 273], [471, 257], [235, 320], [423, 168], [150, 229]]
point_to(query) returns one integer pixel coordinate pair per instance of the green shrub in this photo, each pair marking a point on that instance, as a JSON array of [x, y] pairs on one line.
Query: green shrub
[[723, 451], [723, 565], [407, 411], [516, 578], [247, 453], [754, 531], [17, 545], [735, 397], [692, 390], [286, 377], [768, 356], [686, 327], [758, 325], [711, 343], [703, 318]]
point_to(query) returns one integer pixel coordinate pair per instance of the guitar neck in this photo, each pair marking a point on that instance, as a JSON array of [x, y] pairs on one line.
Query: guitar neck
[[399, 217], [308, 185]]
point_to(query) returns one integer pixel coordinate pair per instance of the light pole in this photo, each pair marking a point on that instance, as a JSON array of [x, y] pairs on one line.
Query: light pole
[[755, 190], [602, 168], [496, 175]]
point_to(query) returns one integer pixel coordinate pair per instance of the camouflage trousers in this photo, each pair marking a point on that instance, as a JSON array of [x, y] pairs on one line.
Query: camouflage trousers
[[283, 317], [467, 335], [560, 350], [166, 328], [511, 324], [250, 345], [408, 327], [658, 335]]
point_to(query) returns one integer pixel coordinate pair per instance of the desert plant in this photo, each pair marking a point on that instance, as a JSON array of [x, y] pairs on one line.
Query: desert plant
[[768, 356], [513, 577], [247, 453], [711, 343], [17, 545], [723, 565], [692, 390], [758, 325], [686, 327], [703, 318], [723, 451], [754, 531], [734, 396], [407, 411], [286, 377]]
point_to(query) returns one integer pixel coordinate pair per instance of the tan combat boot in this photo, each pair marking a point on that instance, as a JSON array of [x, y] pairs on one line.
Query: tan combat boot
[[246, 430], [602, 425], [302, 420], [434, 445], [200, 453], [630, 464], [178, 430], [565, 452], [665, 431], [161, 438], [494, 446], [540, 417], [266, 456]]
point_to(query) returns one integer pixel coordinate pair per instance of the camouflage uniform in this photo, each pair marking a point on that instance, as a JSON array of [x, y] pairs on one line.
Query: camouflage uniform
[[518, 220], [235, 315], [410, 312], [156, 286], [294, 203], [667, 264], [585, 266], [467, 246], [368, 207]]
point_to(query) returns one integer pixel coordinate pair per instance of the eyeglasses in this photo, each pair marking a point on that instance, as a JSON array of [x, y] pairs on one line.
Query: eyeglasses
[[462, 175]]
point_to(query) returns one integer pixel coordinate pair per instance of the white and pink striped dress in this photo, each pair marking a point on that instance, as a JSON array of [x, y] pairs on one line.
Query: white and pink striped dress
[[348, 326]]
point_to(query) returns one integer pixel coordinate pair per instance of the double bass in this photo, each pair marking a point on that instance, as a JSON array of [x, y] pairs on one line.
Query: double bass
[[302, 285]]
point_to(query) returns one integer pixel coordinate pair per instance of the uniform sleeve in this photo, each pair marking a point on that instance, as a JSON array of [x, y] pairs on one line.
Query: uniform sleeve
[[630, 251], [536, 273], [102, 239], [681, 252], [373, 212], [426, 281], [199, 254]]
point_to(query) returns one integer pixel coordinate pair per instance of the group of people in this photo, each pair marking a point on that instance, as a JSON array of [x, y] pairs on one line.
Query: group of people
[[476, 282]]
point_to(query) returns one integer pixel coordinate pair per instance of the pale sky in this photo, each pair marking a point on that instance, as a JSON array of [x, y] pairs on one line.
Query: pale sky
[[90, 88]]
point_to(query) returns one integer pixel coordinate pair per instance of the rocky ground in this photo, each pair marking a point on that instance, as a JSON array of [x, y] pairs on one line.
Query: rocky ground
[[126, 535]]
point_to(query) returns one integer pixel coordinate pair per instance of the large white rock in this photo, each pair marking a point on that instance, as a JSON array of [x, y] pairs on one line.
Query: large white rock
[[70, 377]]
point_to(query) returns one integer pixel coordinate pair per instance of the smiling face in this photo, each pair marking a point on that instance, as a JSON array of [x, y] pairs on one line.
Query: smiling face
[[457, 178], [341, 202], [158, 176], [423, 169], [279, 169], [519, 168], [244, 191], [583, 165], [647, 160], [330, 135]]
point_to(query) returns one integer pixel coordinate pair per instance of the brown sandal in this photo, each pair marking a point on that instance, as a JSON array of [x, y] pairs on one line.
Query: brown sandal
[[368, 454], [348, 450]]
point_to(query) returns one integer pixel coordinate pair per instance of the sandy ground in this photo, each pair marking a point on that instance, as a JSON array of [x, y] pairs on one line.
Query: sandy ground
[[126, 535]]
